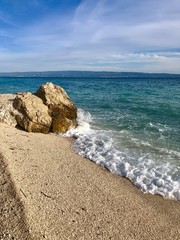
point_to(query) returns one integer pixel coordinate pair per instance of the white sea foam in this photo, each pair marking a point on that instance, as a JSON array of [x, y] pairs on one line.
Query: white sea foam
[[146, 174], [84, 119]]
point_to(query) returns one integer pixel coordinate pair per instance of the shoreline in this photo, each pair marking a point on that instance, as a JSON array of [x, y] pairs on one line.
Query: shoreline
[[65, 196]]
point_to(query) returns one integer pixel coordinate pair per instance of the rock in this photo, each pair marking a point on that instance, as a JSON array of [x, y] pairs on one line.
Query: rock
[[7, 111], [33, 114], [61, 108], [49, 109]]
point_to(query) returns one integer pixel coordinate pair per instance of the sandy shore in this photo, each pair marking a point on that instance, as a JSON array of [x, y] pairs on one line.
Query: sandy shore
[[49, 192]]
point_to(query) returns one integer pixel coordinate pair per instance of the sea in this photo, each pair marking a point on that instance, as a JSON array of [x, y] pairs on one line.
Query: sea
[[129, 125]]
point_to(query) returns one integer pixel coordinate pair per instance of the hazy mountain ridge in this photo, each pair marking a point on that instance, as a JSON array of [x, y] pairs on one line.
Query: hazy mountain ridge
[[83, 74]]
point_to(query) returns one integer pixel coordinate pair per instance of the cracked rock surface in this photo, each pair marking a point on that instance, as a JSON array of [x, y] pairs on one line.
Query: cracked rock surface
[[33, 114]]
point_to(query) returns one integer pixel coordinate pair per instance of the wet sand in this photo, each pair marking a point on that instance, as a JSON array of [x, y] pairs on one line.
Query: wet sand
[[49, 192]]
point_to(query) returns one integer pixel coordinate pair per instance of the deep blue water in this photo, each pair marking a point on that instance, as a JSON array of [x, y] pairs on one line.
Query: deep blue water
[[129, 125]]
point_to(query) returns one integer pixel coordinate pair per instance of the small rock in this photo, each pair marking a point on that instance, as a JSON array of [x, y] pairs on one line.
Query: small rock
[[7, 111]]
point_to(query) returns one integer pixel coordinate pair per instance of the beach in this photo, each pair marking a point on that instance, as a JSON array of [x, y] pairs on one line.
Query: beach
[[54, 193]]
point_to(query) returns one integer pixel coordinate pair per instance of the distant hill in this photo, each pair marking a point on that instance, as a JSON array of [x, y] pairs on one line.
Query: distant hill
[[83, 74]]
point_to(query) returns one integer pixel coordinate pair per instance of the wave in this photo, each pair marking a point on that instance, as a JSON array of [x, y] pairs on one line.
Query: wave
[[148, 175]]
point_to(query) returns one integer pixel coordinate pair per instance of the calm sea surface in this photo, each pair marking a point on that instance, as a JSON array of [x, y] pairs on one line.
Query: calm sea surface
[[129, 125]]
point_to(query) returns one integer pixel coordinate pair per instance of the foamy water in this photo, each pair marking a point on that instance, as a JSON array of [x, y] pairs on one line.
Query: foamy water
[[98, 146]]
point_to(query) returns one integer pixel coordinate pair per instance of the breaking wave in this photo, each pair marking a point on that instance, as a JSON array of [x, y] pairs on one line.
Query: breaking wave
[[98, 145]]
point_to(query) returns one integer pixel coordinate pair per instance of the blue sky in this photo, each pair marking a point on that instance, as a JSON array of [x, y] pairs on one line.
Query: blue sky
[[110, 35]]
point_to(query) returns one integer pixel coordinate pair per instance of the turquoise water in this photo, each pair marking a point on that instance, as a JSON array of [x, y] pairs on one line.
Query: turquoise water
[[129, 125]]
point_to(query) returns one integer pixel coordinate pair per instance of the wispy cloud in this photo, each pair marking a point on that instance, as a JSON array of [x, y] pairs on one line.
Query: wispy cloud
[[96, 35]]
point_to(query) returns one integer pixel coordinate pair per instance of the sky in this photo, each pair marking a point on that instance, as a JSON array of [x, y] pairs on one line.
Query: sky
[[97, 35]]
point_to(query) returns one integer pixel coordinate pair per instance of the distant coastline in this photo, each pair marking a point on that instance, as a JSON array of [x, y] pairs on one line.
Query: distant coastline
[[85, 74]]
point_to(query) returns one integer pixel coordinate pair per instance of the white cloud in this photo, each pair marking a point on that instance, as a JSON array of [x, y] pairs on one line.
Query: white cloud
[[99, 35]]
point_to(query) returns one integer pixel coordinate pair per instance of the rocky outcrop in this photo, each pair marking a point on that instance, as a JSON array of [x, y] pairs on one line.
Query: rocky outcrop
[[61, 108], [33, 114], [7, 111], [49, 109]]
